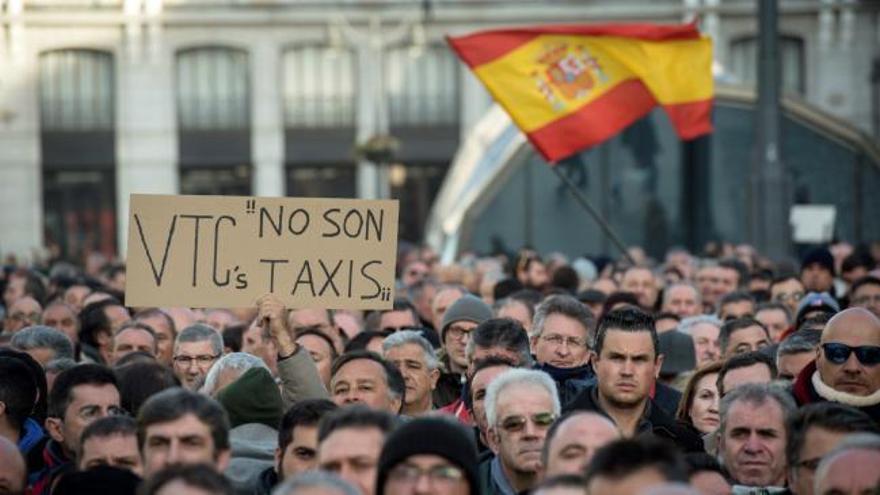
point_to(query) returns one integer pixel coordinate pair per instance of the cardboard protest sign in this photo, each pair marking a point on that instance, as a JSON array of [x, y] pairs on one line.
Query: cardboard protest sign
[[227, 251]]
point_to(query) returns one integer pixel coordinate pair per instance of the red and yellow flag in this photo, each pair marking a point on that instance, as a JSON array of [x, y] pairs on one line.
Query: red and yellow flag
[[571, 87]]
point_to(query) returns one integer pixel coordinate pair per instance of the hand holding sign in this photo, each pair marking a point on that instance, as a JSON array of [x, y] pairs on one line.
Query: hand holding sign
[[226, 251], [272, 315]]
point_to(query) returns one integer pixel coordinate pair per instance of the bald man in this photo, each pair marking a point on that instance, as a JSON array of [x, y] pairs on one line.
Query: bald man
[[13, 471], [574, 439], [847, 366]]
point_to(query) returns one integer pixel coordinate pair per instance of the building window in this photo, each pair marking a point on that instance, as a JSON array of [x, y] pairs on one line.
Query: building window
[[212, 89], [318, 87], [422, 86], [744, 62], [76, 90]]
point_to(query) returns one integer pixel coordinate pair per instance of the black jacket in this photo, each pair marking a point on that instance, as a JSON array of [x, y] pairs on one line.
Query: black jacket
[[655, 421]]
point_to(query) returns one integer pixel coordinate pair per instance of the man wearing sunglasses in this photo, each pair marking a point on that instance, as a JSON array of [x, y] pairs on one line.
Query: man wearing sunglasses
[[847, 366]]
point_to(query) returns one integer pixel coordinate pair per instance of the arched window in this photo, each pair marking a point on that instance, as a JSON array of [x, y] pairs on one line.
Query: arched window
[[76, 90]]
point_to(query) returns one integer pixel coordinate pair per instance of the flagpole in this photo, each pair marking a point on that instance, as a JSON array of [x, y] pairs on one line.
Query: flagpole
[[585, 203]]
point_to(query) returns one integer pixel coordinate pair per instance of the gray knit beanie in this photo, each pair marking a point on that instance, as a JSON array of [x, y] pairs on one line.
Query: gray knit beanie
[[467, 308]]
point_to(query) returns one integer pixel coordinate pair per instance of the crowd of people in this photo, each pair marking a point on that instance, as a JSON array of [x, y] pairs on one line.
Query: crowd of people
[[712, 373]]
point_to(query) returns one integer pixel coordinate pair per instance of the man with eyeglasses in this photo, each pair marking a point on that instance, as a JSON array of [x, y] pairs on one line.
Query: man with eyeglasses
[[24, 312], [80, 396], [847, 366], [560, 341], [815, 430], [520, 407], [425, 456], [787, 290], [865, 293], [196, 349]]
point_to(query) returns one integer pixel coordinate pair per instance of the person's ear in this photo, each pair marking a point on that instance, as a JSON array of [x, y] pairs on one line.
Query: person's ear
[[533, 344], [55, 429], [658, 365], [494, 440], [223, 459], [397, 405], [434, 376], [279, 457]]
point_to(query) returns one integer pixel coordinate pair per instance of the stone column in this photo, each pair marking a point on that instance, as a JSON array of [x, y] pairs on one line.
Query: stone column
[[267, 129]]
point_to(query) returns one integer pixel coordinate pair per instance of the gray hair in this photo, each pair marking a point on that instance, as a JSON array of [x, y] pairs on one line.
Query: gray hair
[[856, 441], [43, 337], [689, 285], [566, 306], [404, 337], [514, 377], [237, 361], [200, 333], [757, 394], [798, 342], [687, 325], [330, 482], [60, 365]]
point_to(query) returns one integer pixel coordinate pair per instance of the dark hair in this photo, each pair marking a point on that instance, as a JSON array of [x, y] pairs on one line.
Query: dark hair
[[858, 259], [729, 327], [667, 315], [744, 360], [565, 277], [798, 342], [620, 458], [735, 297], [506, 287], [83, 374], [828, 415], [134, 357], [360, 341], [174, 403], [698, 462], [304, 413], [106, 427], [195, 475], [392, 375], [866, 280], [93, 321], [151, 312], [400, 304], [628, 319], [33, 284], [690, 390], [141, 380], [769, 306], [39, 377], [741, 269], [478, 366], [232, 336], [506, 333], [530, 297], [18, 391], [619, 297], [816, 322], [356, 416], [323, 336]]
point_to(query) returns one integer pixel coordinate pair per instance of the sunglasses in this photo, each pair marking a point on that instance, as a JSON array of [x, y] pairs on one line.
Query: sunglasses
[[838, 353], [513, 424]]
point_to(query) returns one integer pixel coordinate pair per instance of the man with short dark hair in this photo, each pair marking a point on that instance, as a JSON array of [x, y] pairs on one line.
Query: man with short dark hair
[[749, 367], [627, 363], [817, 271], [402, 315], [752, 435], [349, 444], [865, 293], [163, 326], [815, 430], [742, 335], [735, 305], [110, 441], [80, 396], [364, 377], [98, 322], [631, 466], [796, 352], [787, 290], [18, 392], [776, 318], [297, 444], [177, 426]]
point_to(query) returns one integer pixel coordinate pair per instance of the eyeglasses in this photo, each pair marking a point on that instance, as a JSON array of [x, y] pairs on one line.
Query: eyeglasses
[[457, 332], [203, 360], [559, 341], [838, 353], [513, 424], [406, 473], [784, 296], [864, 300]]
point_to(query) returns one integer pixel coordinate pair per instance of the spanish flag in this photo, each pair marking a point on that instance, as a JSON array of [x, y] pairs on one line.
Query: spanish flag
[[571, 87]]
